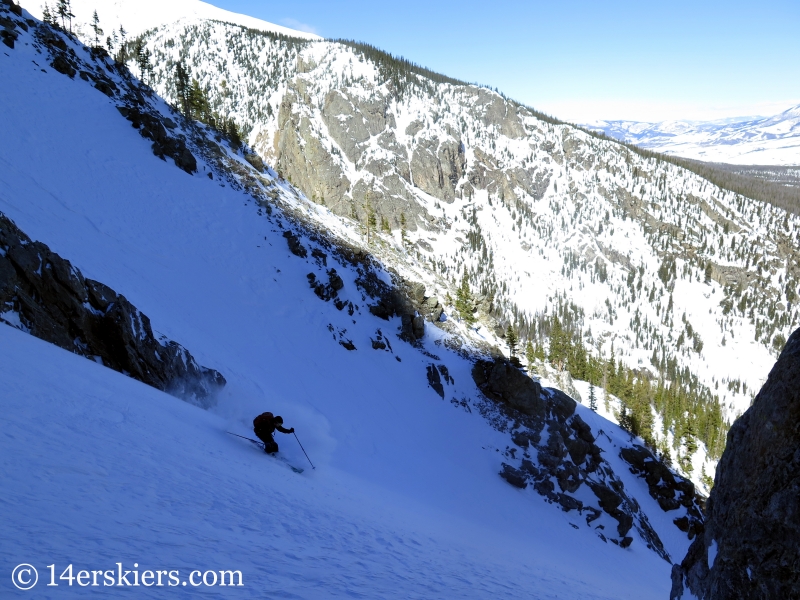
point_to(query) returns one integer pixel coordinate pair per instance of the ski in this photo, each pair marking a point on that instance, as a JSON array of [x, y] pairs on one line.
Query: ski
[[261, 446]]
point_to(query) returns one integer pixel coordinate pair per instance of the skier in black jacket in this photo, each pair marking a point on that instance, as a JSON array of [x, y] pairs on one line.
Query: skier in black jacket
[[264, 426]]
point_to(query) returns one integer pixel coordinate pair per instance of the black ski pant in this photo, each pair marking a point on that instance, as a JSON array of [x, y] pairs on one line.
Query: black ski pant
[[270, 445]]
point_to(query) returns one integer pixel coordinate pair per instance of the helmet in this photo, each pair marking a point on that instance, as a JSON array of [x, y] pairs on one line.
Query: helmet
[[278, 419]]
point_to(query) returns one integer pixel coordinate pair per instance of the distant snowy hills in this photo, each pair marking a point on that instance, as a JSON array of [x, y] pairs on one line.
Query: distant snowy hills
[[771, 140]]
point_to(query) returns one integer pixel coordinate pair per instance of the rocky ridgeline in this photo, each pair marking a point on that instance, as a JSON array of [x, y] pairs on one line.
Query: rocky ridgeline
[[750, 548], [43, 294], [131, 100]]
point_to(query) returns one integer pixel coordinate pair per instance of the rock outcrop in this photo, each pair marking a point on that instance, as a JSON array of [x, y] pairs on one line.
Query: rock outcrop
[[750, 547], [503, 382], [43, 294], [669, 489], [559, 454]]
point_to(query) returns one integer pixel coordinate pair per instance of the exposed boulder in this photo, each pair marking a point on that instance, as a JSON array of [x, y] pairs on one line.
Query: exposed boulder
[[750, 548], [42, 293], [514, 476], [327, 291], [63, 65], [295, 247], [434, 380], [501, 381], [256, 162]]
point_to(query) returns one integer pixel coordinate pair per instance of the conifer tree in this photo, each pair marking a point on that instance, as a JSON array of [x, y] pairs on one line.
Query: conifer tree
[[182, 86], [121, 54], [625, 420], [403, 231], [530, 355], [47, 16], [559, 345], [64, 11], [372, 222], [98, 31], [512, 341], [199, 106], [592, 398], [464, 302]]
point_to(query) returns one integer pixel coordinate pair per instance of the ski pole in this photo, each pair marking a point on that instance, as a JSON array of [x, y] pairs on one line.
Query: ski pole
[[304, 451]]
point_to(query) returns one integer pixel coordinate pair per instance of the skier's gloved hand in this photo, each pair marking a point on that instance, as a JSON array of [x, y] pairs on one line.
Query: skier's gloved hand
[[291, 430]]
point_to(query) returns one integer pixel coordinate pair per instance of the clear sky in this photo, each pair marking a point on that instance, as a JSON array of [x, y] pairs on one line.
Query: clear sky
[[582, 60]]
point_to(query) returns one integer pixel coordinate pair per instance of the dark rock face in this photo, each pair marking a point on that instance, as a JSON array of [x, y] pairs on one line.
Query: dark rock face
[[669, 489], [751, 544], [559, 454], [45, 295], [256, 162], [435, 380], [295, 247], [405, 299], [150, 126], [501, 381], [514, 476]]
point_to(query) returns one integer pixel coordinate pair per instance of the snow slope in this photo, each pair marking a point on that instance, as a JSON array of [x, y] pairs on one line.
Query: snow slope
[[126, 474], [773, 140], [137, 17], [97, 469]]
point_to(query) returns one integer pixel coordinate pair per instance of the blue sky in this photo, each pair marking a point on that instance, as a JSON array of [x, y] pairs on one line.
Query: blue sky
[[582, 60]]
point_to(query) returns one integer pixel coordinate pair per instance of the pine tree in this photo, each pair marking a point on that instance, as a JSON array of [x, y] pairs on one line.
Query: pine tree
[[182, 86], [559, 345], [142, 55], [530, 355], [199, 106], [403, 232], [592, 398], [47, 16], [464, 302], [64, 11], [372, 222], [121, 54], [625, 420], [234, 134], [98, 31], [512, 341]]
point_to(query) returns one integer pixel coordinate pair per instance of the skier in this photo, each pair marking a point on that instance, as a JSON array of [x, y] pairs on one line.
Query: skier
[[264, 425]]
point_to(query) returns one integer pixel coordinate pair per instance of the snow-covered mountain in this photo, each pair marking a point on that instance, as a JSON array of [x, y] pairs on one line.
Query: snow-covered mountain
[[773, 140], [138, 17], [643, 262], [407, 498]]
